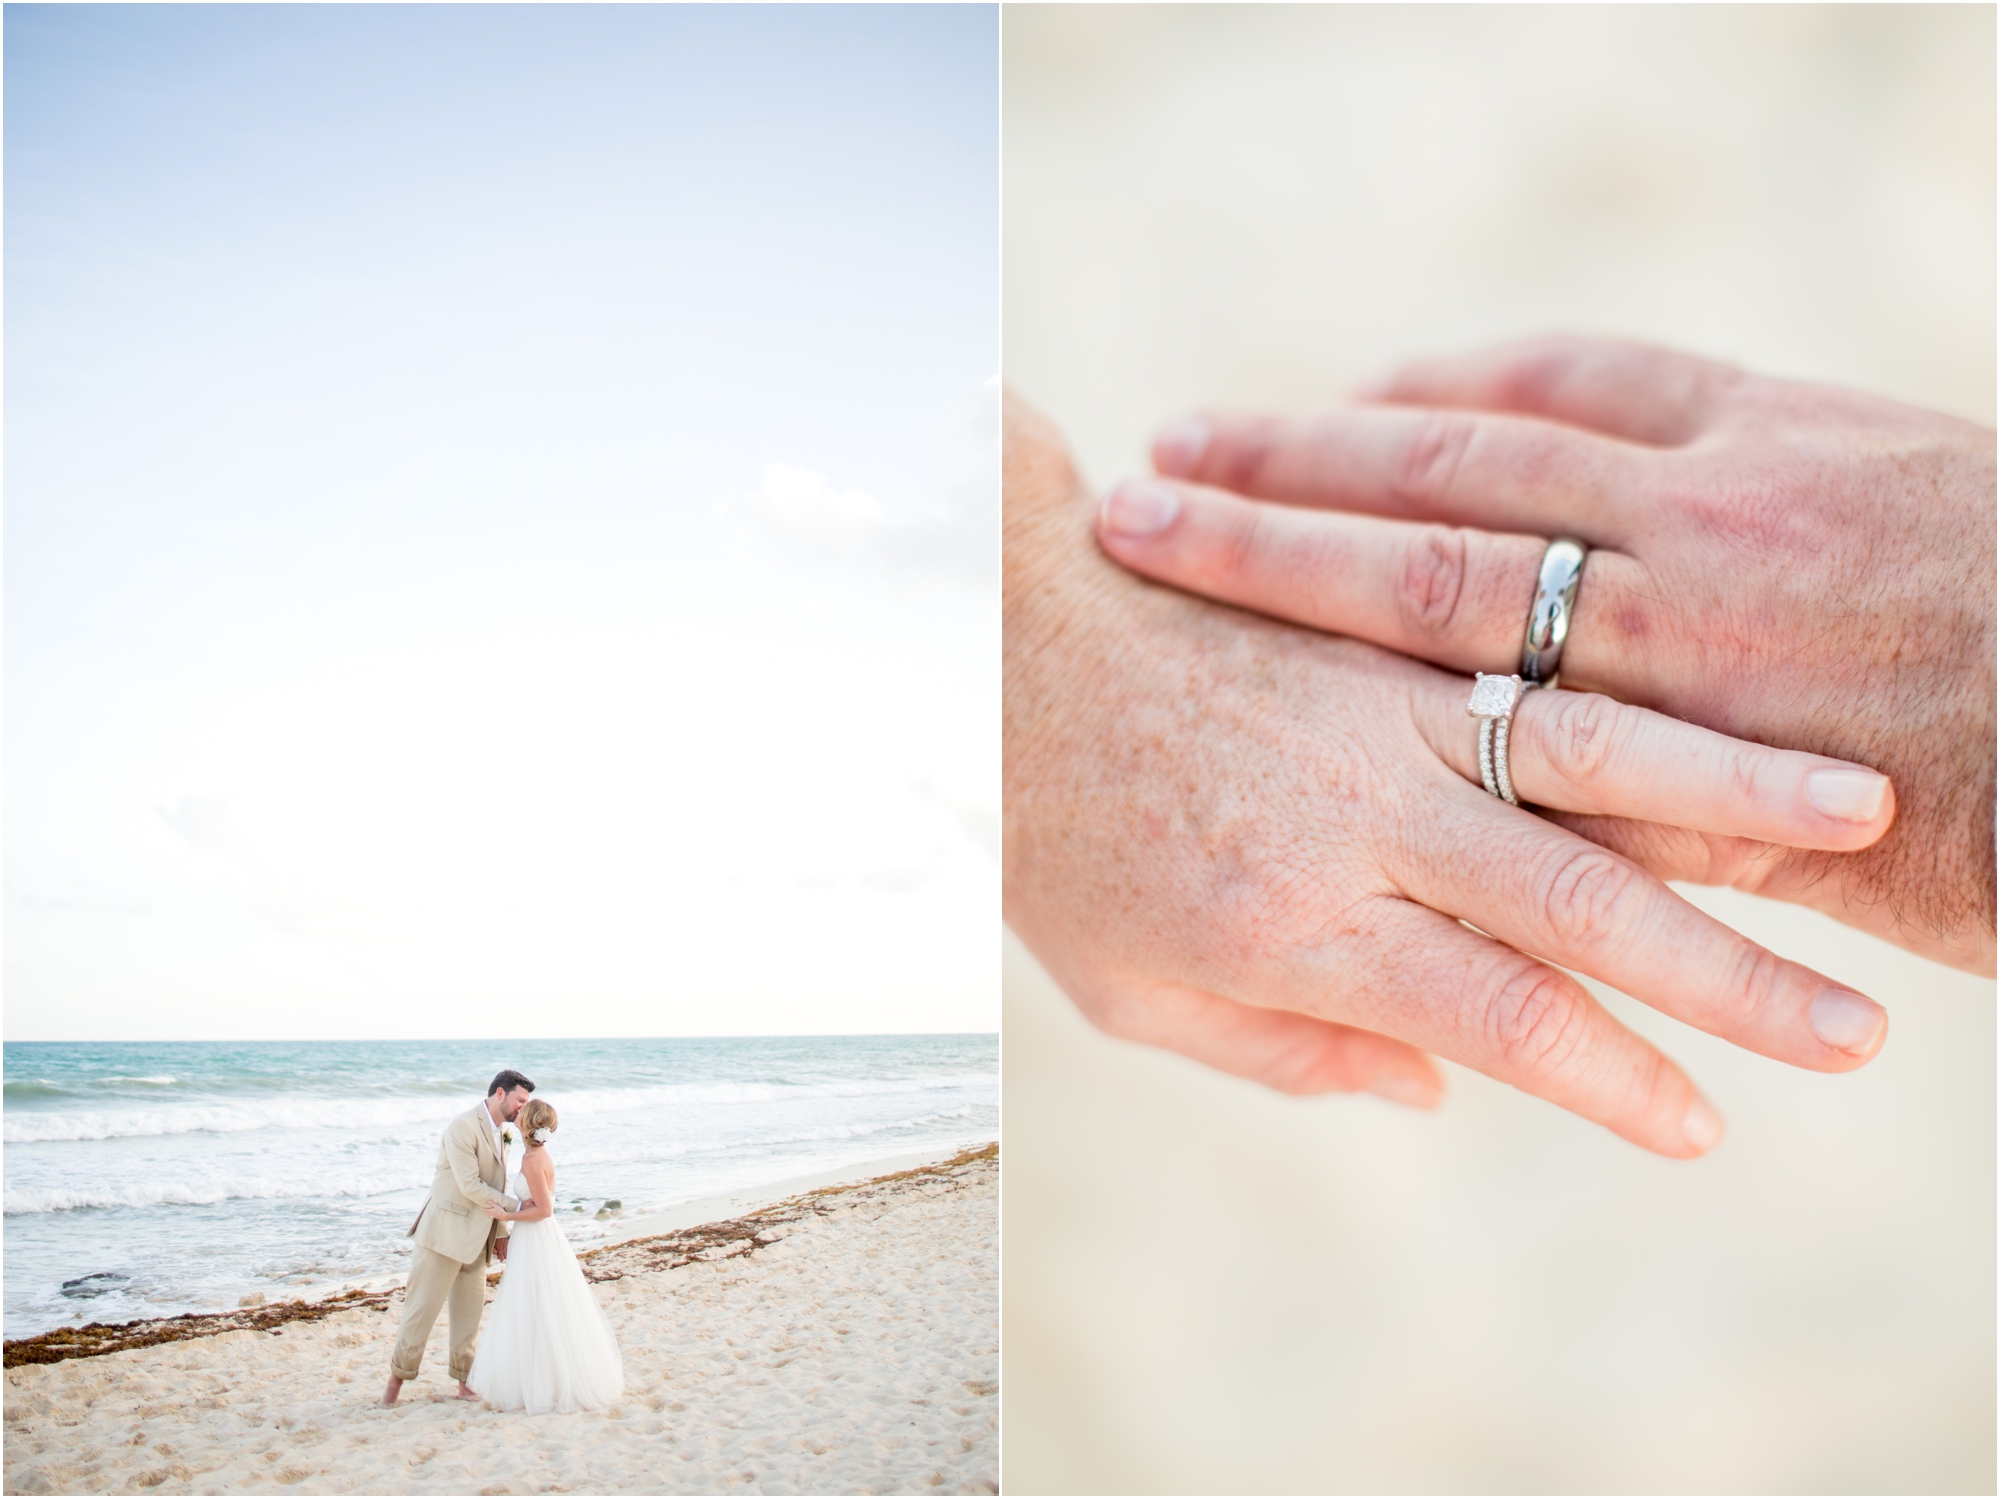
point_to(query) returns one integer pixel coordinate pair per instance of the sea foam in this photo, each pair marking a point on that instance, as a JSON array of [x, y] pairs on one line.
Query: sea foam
[[201, 1172]]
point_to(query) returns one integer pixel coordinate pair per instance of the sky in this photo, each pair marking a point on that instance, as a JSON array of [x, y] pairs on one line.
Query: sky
[[501, 524]]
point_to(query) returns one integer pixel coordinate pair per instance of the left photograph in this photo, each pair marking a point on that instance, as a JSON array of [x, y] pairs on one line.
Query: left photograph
[[501, 749]]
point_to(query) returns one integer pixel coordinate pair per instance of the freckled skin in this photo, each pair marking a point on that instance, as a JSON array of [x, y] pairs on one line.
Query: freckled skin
[[1792, 565], [1235, 838]]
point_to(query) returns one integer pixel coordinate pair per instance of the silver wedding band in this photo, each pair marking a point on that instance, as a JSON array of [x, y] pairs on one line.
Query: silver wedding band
[[1548, 615], [1494, 699]]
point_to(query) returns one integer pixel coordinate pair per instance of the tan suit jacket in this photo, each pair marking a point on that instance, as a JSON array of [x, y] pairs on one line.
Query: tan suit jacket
[[470, 1174]]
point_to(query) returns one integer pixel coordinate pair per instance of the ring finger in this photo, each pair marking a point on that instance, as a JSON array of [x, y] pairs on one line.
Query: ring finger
[[1581, 752]]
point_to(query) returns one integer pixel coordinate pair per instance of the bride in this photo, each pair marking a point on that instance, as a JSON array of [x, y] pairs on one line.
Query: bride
[[548, 1345]]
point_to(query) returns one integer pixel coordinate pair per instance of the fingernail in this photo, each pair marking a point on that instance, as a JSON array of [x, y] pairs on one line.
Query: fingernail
[[1410, 1091], [1138, 508], [1178, 448], [1850, 795], [1845, 1021], [1702, 1126]]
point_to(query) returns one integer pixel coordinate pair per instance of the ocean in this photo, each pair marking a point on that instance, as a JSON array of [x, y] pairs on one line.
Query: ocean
[[145, 1179]]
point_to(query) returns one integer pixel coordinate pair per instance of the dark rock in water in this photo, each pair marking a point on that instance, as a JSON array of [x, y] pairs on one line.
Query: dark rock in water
[[613, 1203], [86, 1286]]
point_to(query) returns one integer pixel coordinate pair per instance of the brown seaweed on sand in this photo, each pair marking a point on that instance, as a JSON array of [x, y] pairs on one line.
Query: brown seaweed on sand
[[737, 1236], [708, 1241]]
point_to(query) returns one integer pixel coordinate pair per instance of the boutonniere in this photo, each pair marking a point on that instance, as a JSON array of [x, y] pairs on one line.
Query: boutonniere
[[506, 1135]]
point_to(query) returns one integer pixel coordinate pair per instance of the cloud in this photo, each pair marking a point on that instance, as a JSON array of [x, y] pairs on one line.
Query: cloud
[[803, 503], [949, 530], [800, 513]]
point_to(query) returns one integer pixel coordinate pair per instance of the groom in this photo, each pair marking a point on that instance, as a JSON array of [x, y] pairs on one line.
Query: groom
[[455, 1236]]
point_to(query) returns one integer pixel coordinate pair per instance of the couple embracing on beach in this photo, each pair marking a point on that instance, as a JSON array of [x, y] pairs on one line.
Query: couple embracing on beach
[[551, 1347]]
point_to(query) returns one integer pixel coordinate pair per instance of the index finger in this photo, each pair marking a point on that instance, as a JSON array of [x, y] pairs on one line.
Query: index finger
[[1632, 390], [1472, 468]]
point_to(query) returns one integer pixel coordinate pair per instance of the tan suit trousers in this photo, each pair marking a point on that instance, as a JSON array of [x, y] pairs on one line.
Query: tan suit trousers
[[437, 1280]]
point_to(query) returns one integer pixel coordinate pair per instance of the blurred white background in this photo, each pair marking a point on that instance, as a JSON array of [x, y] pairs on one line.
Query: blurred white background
[[1213, 1288]]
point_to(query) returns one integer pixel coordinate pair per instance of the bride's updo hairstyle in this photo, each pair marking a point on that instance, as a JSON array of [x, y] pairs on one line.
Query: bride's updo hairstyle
[[537, 1115]]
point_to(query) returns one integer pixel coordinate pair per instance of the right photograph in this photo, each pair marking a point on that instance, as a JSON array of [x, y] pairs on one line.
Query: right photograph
[[1499, 512]]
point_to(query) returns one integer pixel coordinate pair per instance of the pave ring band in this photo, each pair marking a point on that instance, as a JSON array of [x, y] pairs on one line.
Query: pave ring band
[[1548, 615], [1494, 699]]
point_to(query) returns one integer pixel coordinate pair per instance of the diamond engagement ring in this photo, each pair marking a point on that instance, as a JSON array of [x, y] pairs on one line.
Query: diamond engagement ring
[[1548, 615], [1494, 699]]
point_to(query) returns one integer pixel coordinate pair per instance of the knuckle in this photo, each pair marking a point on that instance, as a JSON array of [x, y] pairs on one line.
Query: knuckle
[[1754, 985], [1289, 900], [1536, 1019], [1238, 463], [1239, 547], [1769, 515], [1427, 467], [1705, 388], [1585, 736], [1255, 900], [1538, 369], [1433, 581], [1586, 895], [1749, 865], [1743, 763], [1284, 910], [1652, 1092], [1314, 1063]]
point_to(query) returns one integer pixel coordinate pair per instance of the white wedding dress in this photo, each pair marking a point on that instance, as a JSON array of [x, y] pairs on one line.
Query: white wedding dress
[[547, 1345]]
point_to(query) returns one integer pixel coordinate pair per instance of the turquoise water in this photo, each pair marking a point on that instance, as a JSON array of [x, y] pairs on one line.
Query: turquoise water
[[149, 1178]]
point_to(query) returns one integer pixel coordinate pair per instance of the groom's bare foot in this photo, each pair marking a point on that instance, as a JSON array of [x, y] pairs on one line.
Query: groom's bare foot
[[465, 1391], [395, 1388]]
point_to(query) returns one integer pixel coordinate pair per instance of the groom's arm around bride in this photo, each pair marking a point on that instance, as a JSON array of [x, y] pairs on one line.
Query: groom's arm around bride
[[455, 1236], [472, 1171]]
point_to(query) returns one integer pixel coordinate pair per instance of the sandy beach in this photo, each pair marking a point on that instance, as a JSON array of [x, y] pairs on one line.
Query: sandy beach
[[841, 1338]]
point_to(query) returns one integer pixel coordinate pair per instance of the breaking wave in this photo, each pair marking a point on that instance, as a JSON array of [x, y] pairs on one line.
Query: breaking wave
[[223, 1117]]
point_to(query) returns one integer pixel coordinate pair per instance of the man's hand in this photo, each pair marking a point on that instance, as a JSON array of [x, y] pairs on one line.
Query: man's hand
[[1790, 564], [1254, 844]]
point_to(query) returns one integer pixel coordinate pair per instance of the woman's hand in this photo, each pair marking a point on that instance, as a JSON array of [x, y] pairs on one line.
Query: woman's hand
[[498, 1213], [1260, 847], [1791, 564]]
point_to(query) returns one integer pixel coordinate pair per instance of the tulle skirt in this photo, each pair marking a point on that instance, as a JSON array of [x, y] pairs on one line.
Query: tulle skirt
[[547, 1345]]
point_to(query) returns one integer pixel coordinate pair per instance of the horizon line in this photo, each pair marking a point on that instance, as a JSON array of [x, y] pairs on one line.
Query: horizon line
[[422, 1040]]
